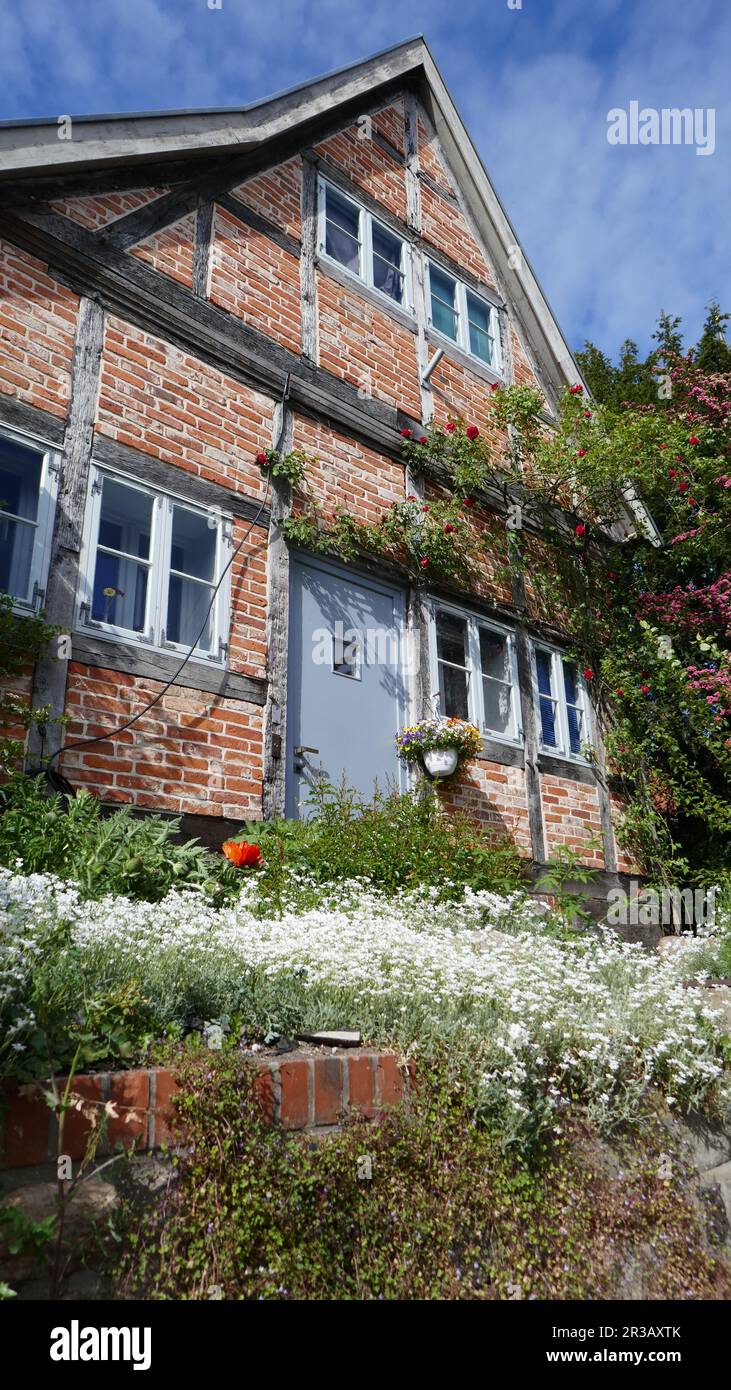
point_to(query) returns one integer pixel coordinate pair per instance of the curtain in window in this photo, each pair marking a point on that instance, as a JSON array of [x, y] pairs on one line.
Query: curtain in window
[[121, 572], [192, 579]]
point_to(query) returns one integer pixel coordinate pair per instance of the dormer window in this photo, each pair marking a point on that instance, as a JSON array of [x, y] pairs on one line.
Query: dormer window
[[364, 246]]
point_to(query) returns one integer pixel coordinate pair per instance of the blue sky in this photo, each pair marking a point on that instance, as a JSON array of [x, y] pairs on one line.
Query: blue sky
[[615, 233]]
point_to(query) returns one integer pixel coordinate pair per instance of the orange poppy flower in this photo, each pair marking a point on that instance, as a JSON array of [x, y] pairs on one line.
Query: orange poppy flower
[[241, 853]]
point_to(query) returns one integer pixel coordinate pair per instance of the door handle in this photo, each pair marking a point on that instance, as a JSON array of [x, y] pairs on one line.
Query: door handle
[[299, 751]]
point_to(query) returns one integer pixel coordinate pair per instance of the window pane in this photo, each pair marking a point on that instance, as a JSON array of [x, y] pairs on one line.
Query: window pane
[[126, 519], [548, 722], [120, 582], [342, 221], [188, 603], [194, 544], [570, 682], [494, 655], [16, 554], [387, 275], [576, 726], [498, 707], [20, 482], [451, 638], [453, 692], [481, 341], [443, 311], [543, 668]]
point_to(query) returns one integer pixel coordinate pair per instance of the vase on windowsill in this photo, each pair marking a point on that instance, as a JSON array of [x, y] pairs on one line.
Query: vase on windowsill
[[438, 746]]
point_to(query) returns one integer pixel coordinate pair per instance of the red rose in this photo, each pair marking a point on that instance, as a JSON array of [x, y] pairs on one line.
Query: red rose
[[449, 528], [450, 427], [577, 390], [663, 446], [261, 457], [611, 574], [495, 386], [672, 472], [423, 440], [468, 502], [426, 509], [587, 414], [645, 689], [581, 452], [619, 692], [691, 502], [587, 673], [412, 497], [423, 562], [580, 530], [683, 487], [694, 439], [472, 432], [406, 434]]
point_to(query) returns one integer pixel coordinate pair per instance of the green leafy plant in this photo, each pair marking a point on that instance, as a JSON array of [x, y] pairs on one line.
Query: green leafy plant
[[23, 640], [426, 1204], [292, 466], [118, 853], [430, 539], [394, 840]]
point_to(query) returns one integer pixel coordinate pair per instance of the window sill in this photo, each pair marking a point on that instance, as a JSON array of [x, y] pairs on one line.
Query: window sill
[[495, 751], [572, 769], [113, 654]]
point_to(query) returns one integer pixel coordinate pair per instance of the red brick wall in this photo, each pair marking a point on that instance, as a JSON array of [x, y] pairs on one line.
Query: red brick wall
[[494, 796], [443, 223], [255, 280], [159, 399], [99, 210], [37, 325], [370, 167], [571, 817], [193, 752], [276, 194], [367, 346], [347, 474], [171, 250]]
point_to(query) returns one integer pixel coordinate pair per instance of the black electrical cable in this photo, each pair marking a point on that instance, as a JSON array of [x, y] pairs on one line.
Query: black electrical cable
[[114, 733]]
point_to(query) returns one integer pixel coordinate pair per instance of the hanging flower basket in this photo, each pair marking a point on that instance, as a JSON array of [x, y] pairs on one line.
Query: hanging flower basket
[[441, 762], [440, 745]]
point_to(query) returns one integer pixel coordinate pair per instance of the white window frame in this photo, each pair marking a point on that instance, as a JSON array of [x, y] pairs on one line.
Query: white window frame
[[159, 570], [366, 220], [47, 496], [558, 693], [475, 690], [462, 340]]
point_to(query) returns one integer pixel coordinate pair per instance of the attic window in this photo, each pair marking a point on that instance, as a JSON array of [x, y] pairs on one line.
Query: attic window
[[364, 246], [463, 316]]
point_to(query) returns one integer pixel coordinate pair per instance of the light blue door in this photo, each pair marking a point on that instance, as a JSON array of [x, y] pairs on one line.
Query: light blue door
[[346, 689]]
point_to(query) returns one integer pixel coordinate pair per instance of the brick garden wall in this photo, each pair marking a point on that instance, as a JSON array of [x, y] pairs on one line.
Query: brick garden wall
[[297, 1092]]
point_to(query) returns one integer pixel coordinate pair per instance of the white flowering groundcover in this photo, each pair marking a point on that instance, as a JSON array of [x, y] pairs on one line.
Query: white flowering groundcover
[[532, 1022]]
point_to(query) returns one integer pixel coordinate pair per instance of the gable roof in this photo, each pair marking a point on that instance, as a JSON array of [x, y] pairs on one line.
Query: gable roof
[[267, 131]]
